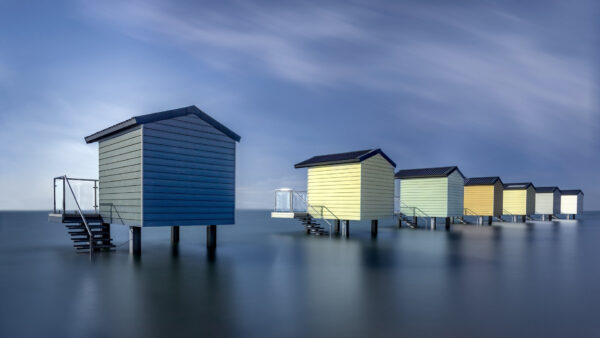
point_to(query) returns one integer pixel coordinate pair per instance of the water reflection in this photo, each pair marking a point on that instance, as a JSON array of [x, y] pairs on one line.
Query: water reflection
[[272, 280]]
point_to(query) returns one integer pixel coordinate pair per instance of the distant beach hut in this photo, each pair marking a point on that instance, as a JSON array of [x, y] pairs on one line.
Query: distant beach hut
[[356, 185], [431, 193], [547, 202], [519, 200], [571, 203], [167, 169], [483, 197]]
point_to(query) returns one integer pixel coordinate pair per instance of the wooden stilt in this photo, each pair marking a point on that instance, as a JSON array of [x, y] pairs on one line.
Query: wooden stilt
[[433, 225], [174, 234], [135, 240], [447, 225], [374, 228], [336, 227], [211, 237], [346, 228]]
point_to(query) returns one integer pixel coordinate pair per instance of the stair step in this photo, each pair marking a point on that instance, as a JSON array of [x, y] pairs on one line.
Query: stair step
[[86, 246], [85, 240]]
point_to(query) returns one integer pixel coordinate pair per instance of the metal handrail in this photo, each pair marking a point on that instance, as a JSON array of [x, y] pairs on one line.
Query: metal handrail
[[322, 206], [414, 209], [80, 213], [314, 208], [505, 212], [472, 213], [64, 199]]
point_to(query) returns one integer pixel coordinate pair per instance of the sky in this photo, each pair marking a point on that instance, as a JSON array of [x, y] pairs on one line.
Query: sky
[[505, 89]]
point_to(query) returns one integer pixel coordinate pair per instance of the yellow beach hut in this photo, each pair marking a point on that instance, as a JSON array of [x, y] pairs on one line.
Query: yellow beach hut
[[356, 185], [571, 203], [431, 193], [519, 200], [483, 197]]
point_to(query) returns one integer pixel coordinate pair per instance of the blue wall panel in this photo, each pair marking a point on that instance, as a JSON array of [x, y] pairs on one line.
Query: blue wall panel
[[188, 174]]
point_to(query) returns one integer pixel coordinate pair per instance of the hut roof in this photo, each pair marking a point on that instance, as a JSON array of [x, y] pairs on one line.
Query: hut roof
[[427, 172], [164, 115], [482, 180], [349, 157], [518, 186], [571, 192], [546, 189]]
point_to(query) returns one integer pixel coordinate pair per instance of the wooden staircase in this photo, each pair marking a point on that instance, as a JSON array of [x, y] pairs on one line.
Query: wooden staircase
[[312, 227], [407, 220], [101, 240]]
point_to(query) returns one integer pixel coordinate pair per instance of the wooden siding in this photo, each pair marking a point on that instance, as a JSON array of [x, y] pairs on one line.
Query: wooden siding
[[571, 204], [338, 188], [428, 195], [120, 178], [530, 201], [188, 173], [377, 188], [456, 192], [556, 203], [498, 198], [544, 203], [479, 200], [515, 202], [519, 202]]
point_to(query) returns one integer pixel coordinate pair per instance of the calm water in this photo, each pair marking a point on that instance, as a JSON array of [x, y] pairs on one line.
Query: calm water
[[268, 279]]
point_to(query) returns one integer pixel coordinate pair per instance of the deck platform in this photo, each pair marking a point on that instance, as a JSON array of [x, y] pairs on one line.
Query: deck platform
[[72, 217], [295, 214]]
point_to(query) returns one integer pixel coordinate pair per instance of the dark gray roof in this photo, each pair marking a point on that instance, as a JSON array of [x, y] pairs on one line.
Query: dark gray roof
[[427, 172], [164, 115], [518, 186], [482, 180], [546, 189], [571, 192], [350, 157]]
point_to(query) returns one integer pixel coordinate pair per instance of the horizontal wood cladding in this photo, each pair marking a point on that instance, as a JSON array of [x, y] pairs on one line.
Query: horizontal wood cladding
[[428, 195], [479, 200], [120, 178], [519, 202], [336, 187], [571, 204], [188, 173], [377, 188], [456, 184], [544, 203]]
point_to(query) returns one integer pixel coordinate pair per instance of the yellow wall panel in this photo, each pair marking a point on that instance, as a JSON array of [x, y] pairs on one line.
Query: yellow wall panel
[[336, 187], [515, 202], [377, 188], [479, 200]]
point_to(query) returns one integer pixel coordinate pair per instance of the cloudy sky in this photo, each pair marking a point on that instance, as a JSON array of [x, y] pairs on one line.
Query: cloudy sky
[[506, 90]]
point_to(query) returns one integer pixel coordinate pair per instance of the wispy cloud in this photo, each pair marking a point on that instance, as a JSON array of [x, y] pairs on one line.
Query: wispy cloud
[[497, 60]]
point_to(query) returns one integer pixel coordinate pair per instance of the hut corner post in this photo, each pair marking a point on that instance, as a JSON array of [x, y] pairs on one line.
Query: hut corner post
[[433, 223], [135, 240], [447, 225], [346, 228], [374, 228], [336, 227], [489, 221]]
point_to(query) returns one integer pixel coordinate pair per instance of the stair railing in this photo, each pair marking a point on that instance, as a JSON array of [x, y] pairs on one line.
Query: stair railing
[[308, 205], [469, 212], [64, 191], [87, 227]]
